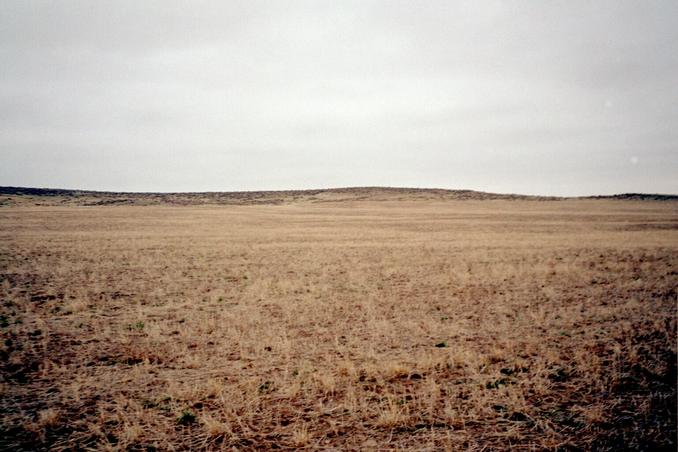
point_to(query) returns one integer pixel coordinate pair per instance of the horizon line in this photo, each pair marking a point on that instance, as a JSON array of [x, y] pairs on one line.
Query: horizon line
[[3, 188]]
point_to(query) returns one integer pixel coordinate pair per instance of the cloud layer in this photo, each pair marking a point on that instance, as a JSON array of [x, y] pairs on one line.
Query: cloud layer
[[562, 98]]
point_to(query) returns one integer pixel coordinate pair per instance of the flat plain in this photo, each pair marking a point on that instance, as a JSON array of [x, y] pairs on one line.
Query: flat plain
[[345, 324]]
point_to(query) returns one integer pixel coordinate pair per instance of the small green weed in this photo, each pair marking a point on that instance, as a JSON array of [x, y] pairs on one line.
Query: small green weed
[[139, 326], [186, 417]]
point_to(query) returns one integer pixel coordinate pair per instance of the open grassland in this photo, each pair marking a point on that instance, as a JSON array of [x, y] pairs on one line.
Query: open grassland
[[351, 325]]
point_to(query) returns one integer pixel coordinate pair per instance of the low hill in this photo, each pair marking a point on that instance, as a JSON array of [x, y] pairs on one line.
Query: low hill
[[51, 196]]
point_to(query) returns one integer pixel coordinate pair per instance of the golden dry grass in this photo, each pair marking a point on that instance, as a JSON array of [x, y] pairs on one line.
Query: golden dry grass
[[363, 325]]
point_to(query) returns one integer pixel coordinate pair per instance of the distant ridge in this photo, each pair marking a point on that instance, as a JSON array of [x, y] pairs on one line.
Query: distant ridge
[[57, 196], [637, 197]]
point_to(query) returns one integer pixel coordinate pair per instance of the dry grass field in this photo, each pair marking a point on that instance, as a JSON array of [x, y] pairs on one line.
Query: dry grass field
[[359, 325]]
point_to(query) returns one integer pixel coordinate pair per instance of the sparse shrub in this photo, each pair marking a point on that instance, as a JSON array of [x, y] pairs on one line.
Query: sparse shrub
[[301, 436], [266, 387], [215, 428], [186, 417], [139, 326], [48, 418]]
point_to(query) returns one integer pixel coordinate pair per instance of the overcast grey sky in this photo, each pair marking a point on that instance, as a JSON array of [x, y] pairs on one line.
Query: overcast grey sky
[[538, 97]]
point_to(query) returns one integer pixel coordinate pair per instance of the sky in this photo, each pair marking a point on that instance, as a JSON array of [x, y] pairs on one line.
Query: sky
[[534, 97]]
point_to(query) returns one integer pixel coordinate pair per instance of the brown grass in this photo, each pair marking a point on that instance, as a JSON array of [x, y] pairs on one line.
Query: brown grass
[[355, 325]]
